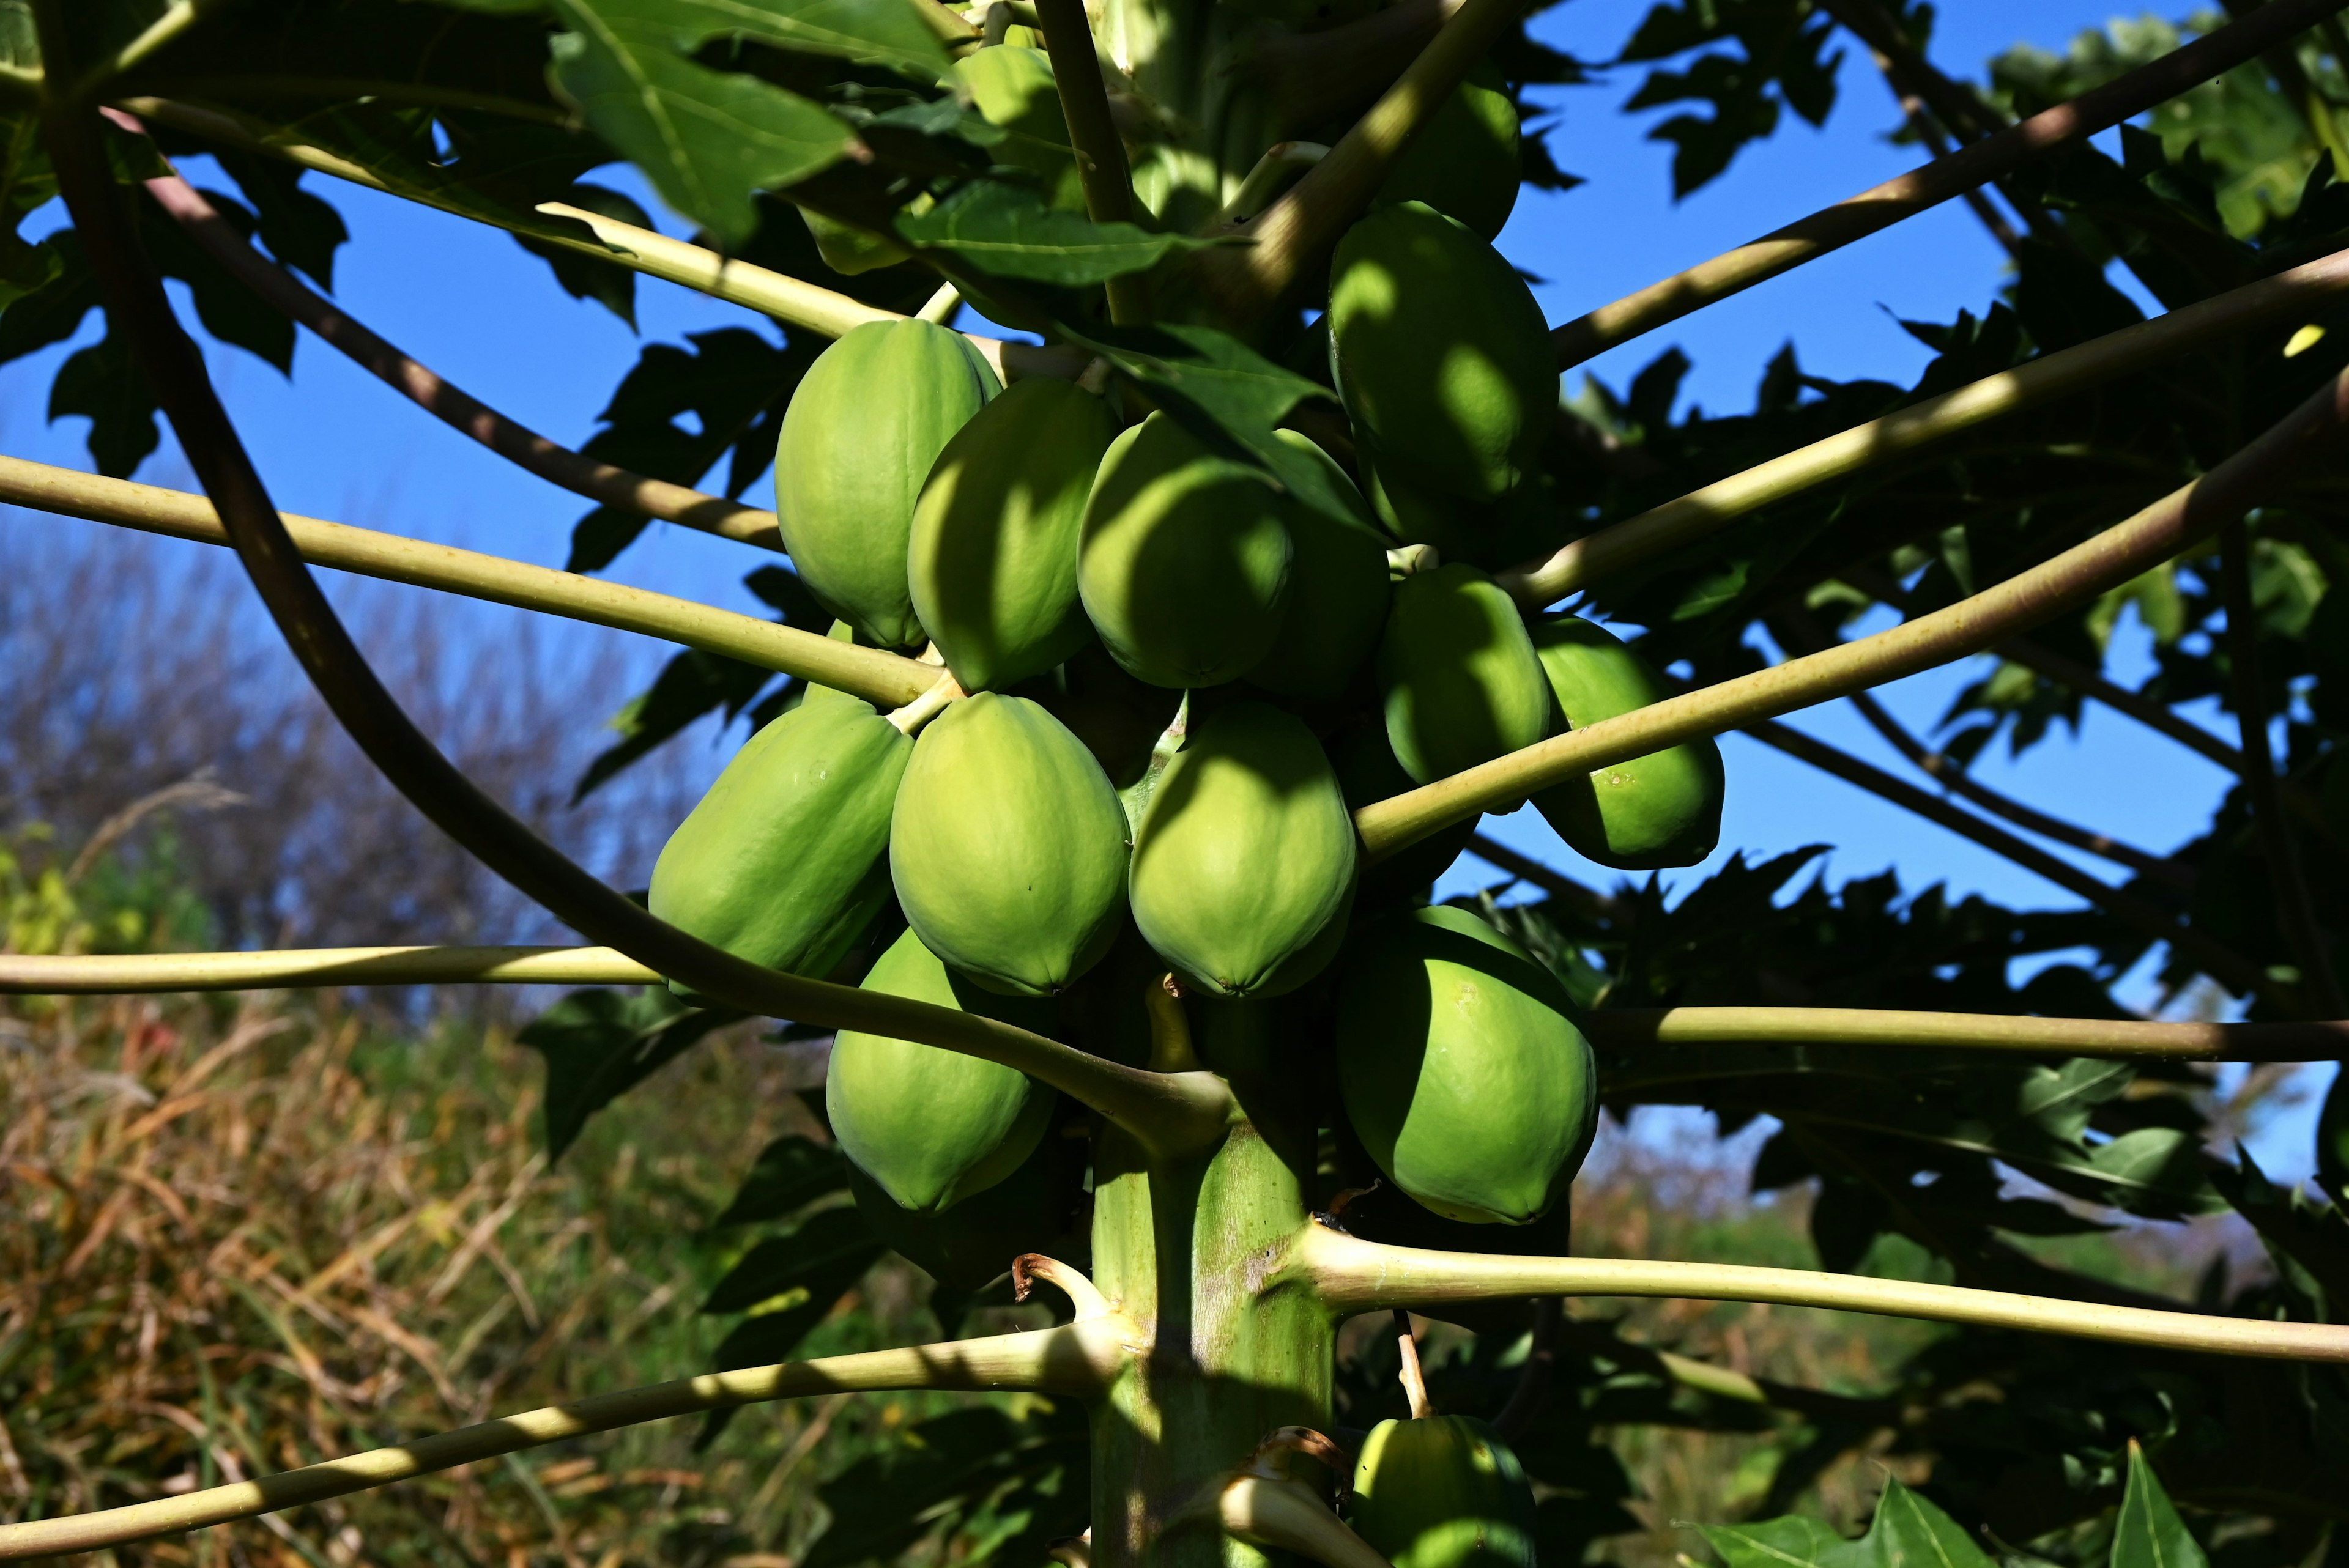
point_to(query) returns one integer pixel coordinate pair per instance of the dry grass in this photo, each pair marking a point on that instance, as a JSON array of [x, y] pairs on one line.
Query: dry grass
[[237, 1238]]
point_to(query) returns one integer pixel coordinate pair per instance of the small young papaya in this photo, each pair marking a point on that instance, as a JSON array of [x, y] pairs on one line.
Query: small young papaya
[[1244, 859], [782, 862], [1642, 814], [932, 1127], [1464, 161], [1185, 564], [868, 419], [1460, 681], [1440, 354], [1443, 1491], [1461, 1069], [1338, 590], [992, 562], [1008, 848]]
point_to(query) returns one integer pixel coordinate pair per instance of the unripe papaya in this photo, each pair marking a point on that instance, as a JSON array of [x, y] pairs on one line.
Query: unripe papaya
[[1244, 860], [993, 557], [1439, 353], [1012, 86], [1464, 161], [1338, 590], [1460, 680], [1459, 530], [869, 419], [781, 861], [1009, 846], [1442, 1491], [1643, 814], [1186, 559], [966, 1246], [932, 1127], [1367, 772], [1461, 1069]]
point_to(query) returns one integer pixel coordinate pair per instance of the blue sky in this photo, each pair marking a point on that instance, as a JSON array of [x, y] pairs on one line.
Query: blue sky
[[465, 300]]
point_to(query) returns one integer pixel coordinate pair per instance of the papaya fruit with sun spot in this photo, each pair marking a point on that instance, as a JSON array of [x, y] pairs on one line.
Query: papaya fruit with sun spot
[[1338, 590], [1243, 859], [992, 560], [1464, 161], [1440, 354], [1185, 561], [1459, 680], [1008, 848], [1443, 1491], [1644, 813], [784, 860], [1461, 1069], [868, 420], [931, 1127]]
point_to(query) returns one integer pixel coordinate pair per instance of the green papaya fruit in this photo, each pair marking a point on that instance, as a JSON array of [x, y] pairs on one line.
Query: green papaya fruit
[[1443, 1491], [932, 1127], [972, 1244], [781, 861], [1338, 590], [1458, 530], [1244, 860], [841, 632], [1013, 87], [1643, 814], [1185, 564], [1461, 1067], [1009, 846], [992, 560], [1464, 161], [869, 419], [1367, 771], [1457, 672], [1440, 354]]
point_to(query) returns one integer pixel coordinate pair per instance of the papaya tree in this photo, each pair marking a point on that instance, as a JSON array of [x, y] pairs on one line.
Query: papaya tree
[[1152, 641]]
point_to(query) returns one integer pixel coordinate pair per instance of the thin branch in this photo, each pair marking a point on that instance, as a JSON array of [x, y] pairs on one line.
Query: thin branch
[[2119, 1039], [2088, 683], [1929, 132], [1911, 74], [1297, 230], [176, 20], [1906, 432], [1881, 206], [511, 440], [1353, 1275], [1413, 1381], [882, 678], [2232, 969], [1076, 1358], [1093, 138], [1168, 1113], [2169, 525], [1951, 775], [2287, 881], [115, 974]]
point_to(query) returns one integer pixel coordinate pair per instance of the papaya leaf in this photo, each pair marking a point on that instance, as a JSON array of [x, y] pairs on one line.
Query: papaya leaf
[[599, 1044], [782, 1272], [1796, 1541], [706, 139], [581, 276], [999, 1485], [887, 32], [1008, 230], [104, 383], [691, 686], [1779, 63], [1907, 1531], [790, 1173], [2148, 1533], [2308, 1239], [301, 229]]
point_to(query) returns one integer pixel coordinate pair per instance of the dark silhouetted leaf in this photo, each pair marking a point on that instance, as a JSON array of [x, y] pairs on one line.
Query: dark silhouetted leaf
[[600, 1044]]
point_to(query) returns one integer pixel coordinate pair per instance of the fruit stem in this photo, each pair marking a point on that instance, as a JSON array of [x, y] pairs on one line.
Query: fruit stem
[[1171, 1049], [910, 718], [1273, 173], [940, 307], [1415, 1381]]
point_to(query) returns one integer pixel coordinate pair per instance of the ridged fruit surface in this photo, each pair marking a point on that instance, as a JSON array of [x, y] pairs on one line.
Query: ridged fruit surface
[[782, 861], [992, 560], [1337, 592], [1462, 1072], [932, 1127], [868, 421], [1647, 812], [1244, 860], [1464, 161], [1443, 1491], [1009, 846], [1458, 677], [1185, 564], [1367, 771], [1439, 353]]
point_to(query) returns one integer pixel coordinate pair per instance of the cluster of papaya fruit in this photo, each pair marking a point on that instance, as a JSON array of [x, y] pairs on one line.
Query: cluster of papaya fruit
[[1176, 682]]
